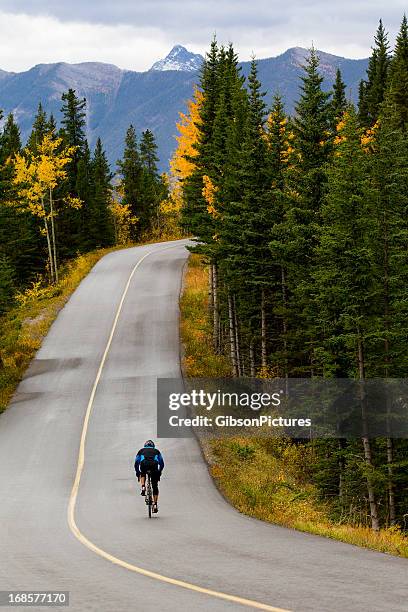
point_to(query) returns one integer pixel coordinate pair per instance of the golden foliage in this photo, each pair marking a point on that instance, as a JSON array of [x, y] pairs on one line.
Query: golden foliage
[[123, 221], [368, 138], [182, 164], [209, 191], [37, 175], [286, 135]]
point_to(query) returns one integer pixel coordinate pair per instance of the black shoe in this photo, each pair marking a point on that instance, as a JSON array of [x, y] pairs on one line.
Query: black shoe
[[143, 491], [155, 509]]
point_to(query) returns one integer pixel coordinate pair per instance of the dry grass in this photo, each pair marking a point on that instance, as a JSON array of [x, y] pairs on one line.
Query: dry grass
[[199, 359], [263, 477]]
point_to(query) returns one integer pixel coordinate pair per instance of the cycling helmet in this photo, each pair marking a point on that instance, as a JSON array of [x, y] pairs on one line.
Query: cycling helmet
[[149, 444]]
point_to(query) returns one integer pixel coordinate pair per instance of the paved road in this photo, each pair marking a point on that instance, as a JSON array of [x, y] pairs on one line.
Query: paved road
[[197, 538]]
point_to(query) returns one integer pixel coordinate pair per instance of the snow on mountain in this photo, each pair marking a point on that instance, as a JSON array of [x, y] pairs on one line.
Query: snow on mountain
[[179, 58]]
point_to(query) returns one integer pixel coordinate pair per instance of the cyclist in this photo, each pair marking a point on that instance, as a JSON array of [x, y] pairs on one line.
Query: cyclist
[[149, 458]]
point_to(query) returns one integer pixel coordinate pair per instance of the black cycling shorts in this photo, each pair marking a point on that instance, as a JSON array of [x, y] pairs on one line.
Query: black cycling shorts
[[146, 466]]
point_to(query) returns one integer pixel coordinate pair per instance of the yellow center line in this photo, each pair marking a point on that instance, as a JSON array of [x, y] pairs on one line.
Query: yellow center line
[[80, 466]]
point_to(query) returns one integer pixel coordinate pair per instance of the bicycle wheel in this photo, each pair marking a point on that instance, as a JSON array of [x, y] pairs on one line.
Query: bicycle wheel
[[149, 496]]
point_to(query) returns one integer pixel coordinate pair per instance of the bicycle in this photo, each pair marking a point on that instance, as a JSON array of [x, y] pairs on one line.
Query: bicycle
[[149, 494]]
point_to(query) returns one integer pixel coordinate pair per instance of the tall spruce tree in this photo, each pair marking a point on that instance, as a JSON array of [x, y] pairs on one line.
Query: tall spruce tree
[[69, 221], [41, 127], [347, 283], [19, 237], [154, 189], [131, 171], [398, 85], [338, 101], [100, 227], [311, 125], [372, 93]]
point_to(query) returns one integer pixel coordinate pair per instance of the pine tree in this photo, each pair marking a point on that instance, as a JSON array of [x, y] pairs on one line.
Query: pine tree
[[7, 285], [195, 217], [70, 229], [100, 227], [311, 126], [363, 115], [373, 92], [10, 139], [131, 170], [20, 244], [338, 100], [398, 87], [347, 286], [148, 153], [73, 131], [154, 189], [40, 128], [307, 186]]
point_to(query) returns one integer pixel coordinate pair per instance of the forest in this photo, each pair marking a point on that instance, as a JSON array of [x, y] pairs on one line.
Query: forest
[[58, 199], [303, 223]]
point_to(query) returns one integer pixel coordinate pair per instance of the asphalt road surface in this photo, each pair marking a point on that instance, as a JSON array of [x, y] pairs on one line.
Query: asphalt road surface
[[99, 362]]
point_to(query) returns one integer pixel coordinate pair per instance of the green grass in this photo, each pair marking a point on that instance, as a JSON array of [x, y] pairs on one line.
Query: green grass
[[266, 478]]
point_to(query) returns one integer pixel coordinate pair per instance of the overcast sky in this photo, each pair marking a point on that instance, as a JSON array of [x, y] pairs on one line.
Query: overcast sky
[[134, 33]]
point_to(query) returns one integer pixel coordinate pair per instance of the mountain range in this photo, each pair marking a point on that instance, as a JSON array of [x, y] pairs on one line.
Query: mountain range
[[151, 99]]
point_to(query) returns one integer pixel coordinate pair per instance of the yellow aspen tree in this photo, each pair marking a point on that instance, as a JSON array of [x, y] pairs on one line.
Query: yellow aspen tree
[[37, 176], [182, 163], [123, 220]]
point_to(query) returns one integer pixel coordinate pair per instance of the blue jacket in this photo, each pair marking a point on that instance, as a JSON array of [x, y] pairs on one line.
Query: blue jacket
[[149, 454]]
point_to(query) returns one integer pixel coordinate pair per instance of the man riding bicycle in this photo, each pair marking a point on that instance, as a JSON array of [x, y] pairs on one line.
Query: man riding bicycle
[[149, 458]]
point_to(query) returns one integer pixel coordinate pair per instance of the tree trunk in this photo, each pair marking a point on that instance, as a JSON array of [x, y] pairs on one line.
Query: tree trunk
[[216, 317], [252, 359], [47, 233], [390, 446], [375, 524], [233, 352], [237, 343], [54, 245], [210, 291], [391, 494], [263, 331], [284, 322]]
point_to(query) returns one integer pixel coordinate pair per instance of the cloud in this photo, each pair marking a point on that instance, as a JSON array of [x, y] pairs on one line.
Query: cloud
[[28, 40], [135, 33]]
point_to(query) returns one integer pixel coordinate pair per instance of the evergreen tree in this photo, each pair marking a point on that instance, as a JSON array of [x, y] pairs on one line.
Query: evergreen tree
[[154, 190], [100, 227], [19, 241], [398, 86], [363, 115], [10, 139], [69, 222], [311, 125], [338, 100], [347, 282], [7, 286], [73, 131], [40, 128], [373, 92], [131, 171], [148, 153], [195, 217]]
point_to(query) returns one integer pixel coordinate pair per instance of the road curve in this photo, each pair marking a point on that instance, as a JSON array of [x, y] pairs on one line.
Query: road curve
[[198, 549]]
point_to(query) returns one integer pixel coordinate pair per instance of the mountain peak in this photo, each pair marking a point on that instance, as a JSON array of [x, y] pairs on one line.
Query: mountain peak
[[179, 58]]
